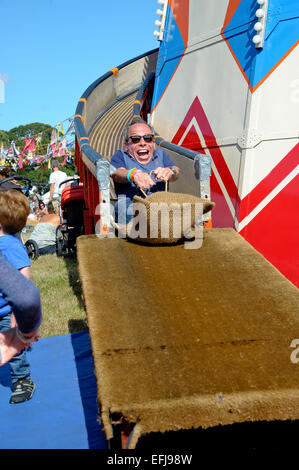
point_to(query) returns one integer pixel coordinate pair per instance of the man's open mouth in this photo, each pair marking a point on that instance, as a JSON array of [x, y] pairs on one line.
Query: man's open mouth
[[142, 153]]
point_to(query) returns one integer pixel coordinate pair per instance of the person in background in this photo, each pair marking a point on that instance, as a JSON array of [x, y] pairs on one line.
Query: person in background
[[56, 178], [14, 210], [36, 199], [4, 173], [42, 209], [44, 233]]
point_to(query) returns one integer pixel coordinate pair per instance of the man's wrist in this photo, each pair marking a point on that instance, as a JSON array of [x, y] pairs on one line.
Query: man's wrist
[[174, 171], [135, 173]]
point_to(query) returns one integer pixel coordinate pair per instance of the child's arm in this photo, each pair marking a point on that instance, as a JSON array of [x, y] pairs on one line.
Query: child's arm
[[25, 271], [24, 298], [22, 295]]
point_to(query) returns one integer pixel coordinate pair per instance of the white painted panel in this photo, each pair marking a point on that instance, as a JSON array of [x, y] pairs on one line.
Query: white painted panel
[[206, 18], [258, 162], [212, 74], [275, 103]]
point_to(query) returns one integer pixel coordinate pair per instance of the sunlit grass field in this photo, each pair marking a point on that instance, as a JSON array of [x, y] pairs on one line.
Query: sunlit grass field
[[60, 290]]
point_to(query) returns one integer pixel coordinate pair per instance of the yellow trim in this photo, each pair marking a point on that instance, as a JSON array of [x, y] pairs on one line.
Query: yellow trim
[[83, 138], [82, 99], [137, 101], [114, 71]]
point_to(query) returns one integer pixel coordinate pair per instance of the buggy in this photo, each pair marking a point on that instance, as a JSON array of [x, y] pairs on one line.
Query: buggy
[[71, 207], [71, 218]]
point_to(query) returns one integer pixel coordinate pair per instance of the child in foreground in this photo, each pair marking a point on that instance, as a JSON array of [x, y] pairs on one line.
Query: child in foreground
[[24, 298], [14, 210]]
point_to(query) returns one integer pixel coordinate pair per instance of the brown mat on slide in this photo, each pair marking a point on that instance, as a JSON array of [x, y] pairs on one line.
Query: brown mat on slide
[[189, 338]]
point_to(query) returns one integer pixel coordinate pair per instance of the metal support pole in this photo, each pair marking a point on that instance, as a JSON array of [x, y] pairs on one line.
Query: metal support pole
[[203, 168], [103, 178]]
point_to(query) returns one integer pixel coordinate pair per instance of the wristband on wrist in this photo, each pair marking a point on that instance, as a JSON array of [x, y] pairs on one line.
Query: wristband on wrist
[[26, 339], [129, 175], [134, 173]]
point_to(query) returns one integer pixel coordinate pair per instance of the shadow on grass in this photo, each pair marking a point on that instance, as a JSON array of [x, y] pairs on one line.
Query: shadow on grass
[[75, 325]]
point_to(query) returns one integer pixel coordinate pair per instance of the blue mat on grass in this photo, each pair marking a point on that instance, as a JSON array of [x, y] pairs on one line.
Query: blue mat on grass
[[63, 412]]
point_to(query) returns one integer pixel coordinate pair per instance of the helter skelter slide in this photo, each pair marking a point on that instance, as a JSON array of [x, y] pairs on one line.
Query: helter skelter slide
[[199, 338]]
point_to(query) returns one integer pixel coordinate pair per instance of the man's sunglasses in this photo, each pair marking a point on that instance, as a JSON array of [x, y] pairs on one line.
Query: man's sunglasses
[[136, 138]]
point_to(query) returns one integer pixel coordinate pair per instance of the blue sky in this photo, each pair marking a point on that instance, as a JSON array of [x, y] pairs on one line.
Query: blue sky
[[52, 50]]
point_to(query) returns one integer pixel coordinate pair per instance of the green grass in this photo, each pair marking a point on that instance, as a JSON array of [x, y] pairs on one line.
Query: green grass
[[61, 296]]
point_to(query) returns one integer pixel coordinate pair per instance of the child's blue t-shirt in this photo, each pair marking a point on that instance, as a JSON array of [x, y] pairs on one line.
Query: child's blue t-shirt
[[13, 251]]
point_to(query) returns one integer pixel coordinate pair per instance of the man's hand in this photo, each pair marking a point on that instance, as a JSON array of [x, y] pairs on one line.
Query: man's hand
[[165, 174], [143, 180]]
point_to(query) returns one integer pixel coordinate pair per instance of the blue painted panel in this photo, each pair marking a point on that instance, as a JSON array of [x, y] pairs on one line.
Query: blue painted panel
[[281, 34], [171, 50]]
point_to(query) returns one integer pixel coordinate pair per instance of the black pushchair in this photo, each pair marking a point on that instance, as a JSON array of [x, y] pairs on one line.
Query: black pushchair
[[71, 217], [8, 183]]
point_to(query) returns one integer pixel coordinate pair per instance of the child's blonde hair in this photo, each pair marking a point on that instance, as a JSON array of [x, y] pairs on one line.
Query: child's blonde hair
[[14, 210]]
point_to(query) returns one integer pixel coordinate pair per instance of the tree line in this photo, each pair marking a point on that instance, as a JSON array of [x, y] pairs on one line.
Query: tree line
[[20, 133], [38, 175]]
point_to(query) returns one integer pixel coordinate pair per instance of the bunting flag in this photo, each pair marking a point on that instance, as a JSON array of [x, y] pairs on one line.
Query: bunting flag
[[30, 144], [15, 149], [6, 153], [54, 150], [54, 136], [21, 162], [70, 126], [61, 151], [16, 158], [60, 125], [64, 161], [57, 150]]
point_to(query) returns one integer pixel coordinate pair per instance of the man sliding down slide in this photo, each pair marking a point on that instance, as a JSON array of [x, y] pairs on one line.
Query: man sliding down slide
[[24, 298]]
